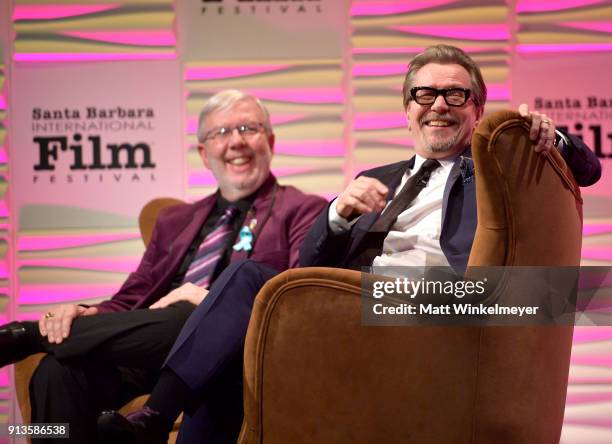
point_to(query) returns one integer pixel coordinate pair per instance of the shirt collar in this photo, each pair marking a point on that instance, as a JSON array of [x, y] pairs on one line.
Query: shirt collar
[[446, 164], [243, 204]]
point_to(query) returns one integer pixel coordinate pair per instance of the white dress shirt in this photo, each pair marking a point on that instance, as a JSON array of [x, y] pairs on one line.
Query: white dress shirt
[[414, 238]]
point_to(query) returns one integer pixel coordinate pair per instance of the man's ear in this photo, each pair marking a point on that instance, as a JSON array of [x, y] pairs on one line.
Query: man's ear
[[271, 140], [479, 115], [407, 119], [203, 155]]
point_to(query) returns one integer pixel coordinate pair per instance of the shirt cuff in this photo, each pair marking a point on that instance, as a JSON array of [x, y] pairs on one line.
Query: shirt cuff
[[337, 224], [561, 141]]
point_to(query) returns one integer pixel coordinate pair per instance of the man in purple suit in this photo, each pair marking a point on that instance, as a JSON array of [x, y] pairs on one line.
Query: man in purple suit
[[101, 356]]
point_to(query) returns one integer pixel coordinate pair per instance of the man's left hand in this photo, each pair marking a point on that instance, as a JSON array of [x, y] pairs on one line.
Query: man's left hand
[[186, 292], [542, 130]]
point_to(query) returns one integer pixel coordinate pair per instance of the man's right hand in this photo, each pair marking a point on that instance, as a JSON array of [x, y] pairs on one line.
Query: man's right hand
[[362, 195], [55, 324]]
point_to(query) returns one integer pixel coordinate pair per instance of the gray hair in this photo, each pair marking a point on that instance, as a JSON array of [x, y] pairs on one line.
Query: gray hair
[[223, 100], [446, 55]]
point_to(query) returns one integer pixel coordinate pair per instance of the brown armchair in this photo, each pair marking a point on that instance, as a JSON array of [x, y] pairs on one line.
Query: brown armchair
[[313, 373], [25, 368]]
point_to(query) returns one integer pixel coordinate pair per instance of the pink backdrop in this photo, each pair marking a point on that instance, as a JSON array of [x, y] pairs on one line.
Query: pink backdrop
[[331, 74]]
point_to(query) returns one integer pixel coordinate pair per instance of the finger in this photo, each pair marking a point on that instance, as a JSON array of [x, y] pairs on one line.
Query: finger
[[546, 135], [48, 326], [353, 205], [382, 189], [548, 145], [536, 122], [365, 198], [523, 109], [163, 302], [376, 185], [540, 146], [157, 304], [345, 206], [41, 326], [549, 138], [372, 193], [90, 311], [50, 329], [376, 201], [362, 208], [65, 326], [57, 324], [56, 329]]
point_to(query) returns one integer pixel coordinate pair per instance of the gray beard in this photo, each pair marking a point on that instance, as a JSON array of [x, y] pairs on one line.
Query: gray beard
[[442, 147]]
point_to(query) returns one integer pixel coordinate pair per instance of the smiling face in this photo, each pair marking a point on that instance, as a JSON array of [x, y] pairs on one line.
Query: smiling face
[[441, 131], [240, 163]]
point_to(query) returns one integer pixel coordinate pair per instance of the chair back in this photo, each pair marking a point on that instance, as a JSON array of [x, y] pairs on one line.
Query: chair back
[[529, 214], [148, 215]]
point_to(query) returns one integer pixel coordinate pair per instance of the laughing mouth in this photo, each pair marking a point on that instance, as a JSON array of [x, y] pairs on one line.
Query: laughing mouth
[[439, 123], [239, 161], [436, 120]]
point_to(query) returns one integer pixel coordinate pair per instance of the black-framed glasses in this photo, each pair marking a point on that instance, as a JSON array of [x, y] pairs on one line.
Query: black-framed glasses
[[247, 129], [425, 95]]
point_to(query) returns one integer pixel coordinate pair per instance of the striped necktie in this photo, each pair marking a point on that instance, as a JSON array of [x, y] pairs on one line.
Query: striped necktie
[[211, 250]]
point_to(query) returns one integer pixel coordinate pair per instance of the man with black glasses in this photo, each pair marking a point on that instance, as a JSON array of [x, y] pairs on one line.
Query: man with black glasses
[[432, 224], [430, 220]]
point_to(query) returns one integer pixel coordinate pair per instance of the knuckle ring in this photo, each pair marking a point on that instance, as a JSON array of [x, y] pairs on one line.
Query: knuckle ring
[[49, 314]]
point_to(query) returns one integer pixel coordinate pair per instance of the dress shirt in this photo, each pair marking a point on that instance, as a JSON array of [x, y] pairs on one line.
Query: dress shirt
[[244, 206], [414, 238]]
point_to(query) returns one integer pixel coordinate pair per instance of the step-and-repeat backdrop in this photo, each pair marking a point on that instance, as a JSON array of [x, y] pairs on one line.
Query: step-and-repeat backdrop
[[99, 104]]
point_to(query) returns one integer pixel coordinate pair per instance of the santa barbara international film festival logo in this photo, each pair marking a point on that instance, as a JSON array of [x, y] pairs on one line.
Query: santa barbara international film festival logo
[[92, 144], [254, 7], [588, 117]]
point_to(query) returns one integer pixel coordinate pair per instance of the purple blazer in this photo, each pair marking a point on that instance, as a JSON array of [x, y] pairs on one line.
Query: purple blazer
[[284, 215]]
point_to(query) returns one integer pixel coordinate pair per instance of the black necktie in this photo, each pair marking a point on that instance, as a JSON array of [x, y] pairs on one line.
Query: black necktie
[[411, 190], [372, 243]]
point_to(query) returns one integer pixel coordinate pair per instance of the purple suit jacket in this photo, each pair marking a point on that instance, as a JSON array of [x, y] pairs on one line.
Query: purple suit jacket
[[284, 215]]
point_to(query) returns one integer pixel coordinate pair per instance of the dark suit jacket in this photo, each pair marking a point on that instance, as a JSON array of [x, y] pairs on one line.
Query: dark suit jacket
[[284, 214], [323, 248]]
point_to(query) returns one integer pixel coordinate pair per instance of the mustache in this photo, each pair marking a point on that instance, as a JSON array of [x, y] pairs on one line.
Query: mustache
[[435, 116]]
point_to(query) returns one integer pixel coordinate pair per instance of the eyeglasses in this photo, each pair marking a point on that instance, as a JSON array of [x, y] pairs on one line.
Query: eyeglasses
[[248, 129], [424, 95]]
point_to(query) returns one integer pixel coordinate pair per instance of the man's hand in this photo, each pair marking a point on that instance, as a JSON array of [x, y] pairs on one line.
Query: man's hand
[[55, 325], [542, 129], [186, 292], [363, 195]]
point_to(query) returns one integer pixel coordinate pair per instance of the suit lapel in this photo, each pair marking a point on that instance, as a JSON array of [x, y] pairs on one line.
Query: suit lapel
[[183, 240], [391, 178], [455, 177]]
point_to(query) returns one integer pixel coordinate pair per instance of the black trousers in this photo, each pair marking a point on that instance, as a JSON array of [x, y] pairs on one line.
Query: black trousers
[[107, 360]]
